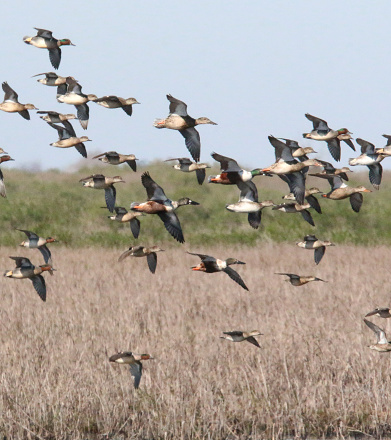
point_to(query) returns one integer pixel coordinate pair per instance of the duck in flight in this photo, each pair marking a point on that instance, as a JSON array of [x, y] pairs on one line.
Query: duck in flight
[[45, 40], [178, 119], [211, 265]]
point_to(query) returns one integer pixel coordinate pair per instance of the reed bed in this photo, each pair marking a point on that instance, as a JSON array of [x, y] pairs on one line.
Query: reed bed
[[313, 376]]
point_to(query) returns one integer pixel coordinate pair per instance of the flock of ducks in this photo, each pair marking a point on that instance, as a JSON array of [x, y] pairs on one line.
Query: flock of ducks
[[291, 165]]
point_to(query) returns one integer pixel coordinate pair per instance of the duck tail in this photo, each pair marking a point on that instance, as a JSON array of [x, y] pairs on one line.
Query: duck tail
[[159, 123]]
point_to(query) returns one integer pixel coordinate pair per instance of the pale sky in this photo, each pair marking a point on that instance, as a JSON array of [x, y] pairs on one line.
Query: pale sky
[[253, 67]]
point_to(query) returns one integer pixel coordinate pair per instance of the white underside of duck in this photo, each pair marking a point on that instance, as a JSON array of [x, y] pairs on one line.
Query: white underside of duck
[[244, 206]]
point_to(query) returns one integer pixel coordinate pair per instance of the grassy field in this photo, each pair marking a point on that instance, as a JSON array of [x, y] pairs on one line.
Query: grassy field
[[314, 375], [55, 204]]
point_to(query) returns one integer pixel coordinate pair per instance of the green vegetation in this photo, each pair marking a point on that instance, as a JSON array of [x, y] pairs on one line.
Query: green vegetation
[[55, 204]]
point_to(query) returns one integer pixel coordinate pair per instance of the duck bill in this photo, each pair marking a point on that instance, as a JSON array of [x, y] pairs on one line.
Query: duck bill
[[194, 203], [367, 190], [266, 170], [195, 268]]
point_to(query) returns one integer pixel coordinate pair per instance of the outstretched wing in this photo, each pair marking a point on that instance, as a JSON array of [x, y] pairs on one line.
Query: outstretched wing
[[152, 261], [10, 94], [282, 151], [171, 223], [356, 200], [380, 334], [334, 146], [192, 141], [200, 173], [203, 256], [135, 227], [318, 124], [22, 262], [110, 194], [177, 107], [154, 191], [136, 370], [47, 256], [55, 57], [226, 163], [318, 254], [235, 276], [39, 286]]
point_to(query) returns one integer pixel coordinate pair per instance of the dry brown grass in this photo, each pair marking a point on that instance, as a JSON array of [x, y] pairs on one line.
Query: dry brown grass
[[313, 376]]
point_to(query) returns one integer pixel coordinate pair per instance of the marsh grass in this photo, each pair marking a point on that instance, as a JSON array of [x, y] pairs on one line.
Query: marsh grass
[[314, 375]]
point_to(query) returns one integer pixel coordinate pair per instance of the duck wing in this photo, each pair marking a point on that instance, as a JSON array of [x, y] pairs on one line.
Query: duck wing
[[307, 217], [366, 147], [74, 86], [253, 341], [318, 254], [226, 163], [128, 109], [9, 93], [120, 210], [44, 33], [125, 254], [135, 227], [282, 151], [356, 200], [152, 261], [235, 276], [30, 235], [296, 182], [171, 223], [254, 219], [61, 90], [136, 370], [25, 114], [314, 203], [327, 166], [388, 137], [318, 124], [110, 194], [132, 164], [334, 146], [177, 107], [22, 262], [375, 174], [55, 57], [380, 310], [154, 191], [39, 286], [63, 133], [192, 142], [200, 173], [81, 148], [293, 145], [2, 185], [334, 181], [350, 143], [83, 114], [47, 256], [248, 191], [204, 257], [380, 334]]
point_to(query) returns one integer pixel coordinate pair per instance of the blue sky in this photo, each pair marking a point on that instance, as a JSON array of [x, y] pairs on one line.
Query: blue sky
[[254, 68]]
